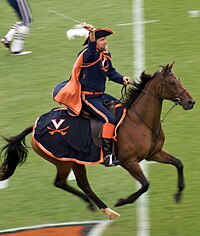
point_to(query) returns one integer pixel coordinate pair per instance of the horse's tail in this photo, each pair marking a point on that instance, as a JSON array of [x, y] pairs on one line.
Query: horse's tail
[[14, 153]]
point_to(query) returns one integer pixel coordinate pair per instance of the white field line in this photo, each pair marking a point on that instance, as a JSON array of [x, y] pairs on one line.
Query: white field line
[[143, 224], [194, 13], [133, 23]]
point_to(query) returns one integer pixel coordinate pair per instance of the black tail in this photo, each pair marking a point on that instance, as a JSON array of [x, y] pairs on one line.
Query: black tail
[[14, 153]]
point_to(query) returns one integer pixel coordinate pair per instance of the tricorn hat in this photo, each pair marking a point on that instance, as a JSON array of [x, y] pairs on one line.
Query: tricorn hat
[[99, 33]]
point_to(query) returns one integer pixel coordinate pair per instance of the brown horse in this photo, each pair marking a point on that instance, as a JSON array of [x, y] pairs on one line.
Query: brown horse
[[139, 137]]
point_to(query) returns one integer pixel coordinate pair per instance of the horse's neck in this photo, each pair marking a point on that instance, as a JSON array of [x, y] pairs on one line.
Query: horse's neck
[[147, 108]]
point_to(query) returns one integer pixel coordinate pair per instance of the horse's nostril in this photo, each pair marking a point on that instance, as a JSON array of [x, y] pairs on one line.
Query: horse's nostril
[[191, 102]]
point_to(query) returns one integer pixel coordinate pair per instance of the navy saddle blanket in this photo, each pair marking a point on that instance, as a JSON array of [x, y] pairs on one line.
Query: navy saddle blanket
[[66, 137]]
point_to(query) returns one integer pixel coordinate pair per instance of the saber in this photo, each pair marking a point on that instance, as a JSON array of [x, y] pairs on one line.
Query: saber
[[67, 17]]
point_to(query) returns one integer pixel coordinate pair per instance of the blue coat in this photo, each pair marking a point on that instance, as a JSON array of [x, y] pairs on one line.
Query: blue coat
[[96, 68]]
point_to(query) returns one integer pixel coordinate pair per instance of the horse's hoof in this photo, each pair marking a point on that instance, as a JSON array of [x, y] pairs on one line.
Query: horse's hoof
[[92, 208], [120, 202], [110, 213]]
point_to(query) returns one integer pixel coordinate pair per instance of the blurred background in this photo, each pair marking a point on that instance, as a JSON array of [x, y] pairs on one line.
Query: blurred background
[[172, 33]]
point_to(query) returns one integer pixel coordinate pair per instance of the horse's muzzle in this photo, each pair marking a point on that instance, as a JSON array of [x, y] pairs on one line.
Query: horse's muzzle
[[187, 104]]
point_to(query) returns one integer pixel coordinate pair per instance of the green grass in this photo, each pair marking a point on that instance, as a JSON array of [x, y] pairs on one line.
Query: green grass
[[26, 83]]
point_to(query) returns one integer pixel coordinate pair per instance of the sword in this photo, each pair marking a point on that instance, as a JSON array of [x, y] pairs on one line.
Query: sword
[[66, 17]]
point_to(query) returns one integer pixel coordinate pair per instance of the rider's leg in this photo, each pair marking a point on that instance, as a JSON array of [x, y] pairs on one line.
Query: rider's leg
[[107, 141], [95, 105]]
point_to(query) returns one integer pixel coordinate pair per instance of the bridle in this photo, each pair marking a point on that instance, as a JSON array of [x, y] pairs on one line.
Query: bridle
[[175, 99]]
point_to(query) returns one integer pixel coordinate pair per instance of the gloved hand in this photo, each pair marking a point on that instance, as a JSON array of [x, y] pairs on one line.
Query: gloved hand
[[126, 80], [88, 26]]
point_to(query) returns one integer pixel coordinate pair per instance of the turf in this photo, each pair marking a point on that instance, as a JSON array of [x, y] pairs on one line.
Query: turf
[[26, 83]]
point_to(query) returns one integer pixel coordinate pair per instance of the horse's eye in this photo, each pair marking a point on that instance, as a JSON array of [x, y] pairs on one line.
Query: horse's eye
[[172, 82]]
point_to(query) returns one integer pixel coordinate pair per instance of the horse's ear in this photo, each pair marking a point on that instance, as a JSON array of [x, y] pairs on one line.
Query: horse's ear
[[165, 68], [170, 67]]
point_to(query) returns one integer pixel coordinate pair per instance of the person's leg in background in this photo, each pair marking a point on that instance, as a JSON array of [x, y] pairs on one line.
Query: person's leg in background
[[15, 38]]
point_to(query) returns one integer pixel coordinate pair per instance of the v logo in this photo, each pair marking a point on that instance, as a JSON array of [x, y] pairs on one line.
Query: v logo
[[57, 125]]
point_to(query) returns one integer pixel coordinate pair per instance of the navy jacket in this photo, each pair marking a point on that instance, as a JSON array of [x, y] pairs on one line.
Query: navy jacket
[[98, 67]]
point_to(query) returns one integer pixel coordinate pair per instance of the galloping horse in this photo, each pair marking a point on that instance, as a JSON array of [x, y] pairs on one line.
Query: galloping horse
[[139, 137]]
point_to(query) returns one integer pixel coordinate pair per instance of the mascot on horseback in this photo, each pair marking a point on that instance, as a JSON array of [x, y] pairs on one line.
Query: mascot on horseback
[[64, 137], [86, 87]]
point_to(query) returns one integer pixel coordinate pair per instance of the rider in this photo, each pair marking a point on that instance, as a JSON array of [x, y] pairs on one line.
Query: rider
[[87, 85], [93, 79]]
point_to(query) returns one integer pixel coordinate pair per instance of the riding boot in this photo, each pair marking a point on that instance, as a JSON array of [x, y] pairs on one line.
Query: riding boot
[[109, 159]]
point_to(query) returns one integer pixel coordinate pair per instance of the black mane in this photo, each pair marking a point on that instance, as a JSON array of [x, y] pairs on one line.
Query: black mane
[[135, 90]]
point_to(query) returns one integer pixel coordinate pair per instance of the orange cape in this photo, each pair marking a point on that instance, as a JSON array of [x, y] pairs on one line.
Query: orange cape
[[70, 94]]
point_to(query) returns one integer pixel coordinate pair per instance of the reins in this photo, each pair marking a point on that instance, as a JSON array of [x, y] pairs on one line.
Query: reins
[[156, 133], [124, 92], [124, 95], [167, 113], [176, 101]]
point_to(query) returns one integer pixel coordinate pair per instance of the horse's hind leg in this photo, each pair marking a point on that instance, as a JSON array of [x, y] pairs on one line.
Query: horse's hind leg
[[166, 158], [134, 169], [63, 171], [82, 182]]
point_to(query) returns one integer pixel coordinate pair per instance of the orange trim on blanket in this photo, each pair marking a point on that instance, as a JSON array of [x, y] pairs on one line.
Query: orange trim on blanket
[[40, 146]]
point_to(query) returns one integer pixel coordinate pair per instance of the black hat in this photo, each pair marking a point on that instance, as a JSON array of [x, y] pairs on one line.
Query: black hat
[[99, 33]]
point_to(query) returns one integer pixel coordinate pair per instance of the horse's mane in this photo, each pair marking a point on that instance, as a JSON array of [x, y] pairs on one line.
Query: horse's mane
[[136, 89]]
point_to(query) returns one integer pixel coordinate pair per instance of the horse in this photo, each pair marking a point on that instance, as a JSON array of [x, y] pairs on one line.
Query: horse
[[139, 137]]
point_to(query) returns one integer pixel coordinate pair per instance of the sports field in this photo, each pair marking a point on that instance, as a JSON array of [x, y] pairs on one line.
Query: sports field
[[171, 34]]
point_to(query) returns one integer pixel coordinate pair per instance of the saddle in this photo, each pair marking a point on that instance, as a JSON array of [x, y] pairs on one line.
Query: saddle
[[96, 124]]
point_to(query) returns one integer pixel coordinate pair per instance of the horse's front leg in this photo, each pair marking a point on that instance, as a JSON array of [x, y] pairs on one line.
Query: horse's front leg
[[82, 182], [135, 170], [166, 158]]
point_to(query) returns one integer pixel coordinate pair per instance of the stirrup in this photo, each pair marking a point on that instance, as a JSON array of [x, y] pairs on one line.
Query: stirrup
[[109, 161]]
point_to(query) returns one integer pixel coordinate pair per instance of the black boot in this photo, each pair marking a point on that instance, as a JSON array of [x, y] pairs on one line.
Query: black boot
[[109, 159]]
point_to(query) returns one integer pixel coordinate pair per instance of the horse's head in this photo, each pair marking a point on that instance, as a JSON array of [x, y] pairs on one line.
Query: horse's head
[[162, 84], [172, 89]]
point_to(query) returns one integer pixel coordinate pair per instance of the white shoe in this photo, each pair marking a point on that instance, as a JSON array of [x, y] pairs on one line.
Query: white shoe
[[20, 53], [5, 43]]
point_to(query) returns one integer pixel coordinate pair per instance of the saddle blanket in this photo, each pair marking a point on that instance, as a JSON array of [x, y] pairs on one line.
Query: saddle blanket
[[67, 138]]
